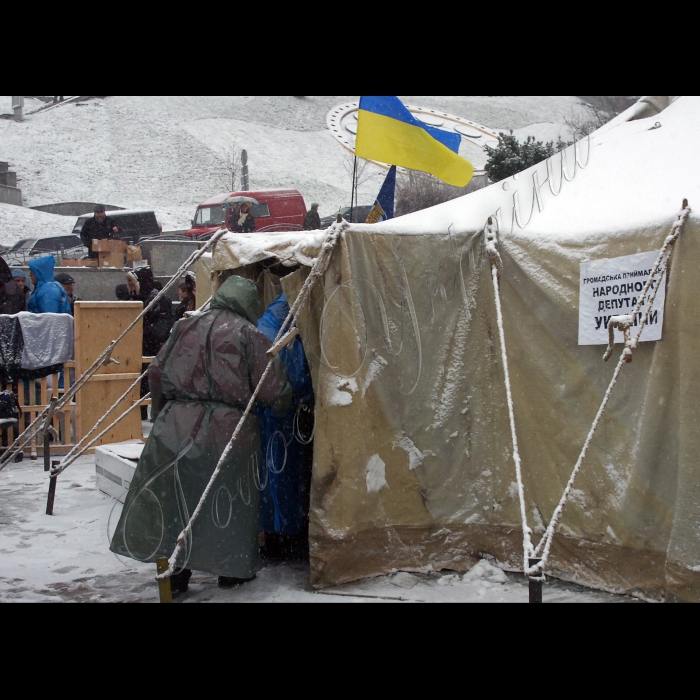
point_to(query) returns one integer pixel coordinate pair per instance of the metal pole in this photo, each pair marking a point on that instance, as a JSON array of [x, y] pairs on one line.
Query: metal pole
[[47, 433], [52, 491], [18, 107], [164, 588], [354, 192], [245, 172], [536, 585]]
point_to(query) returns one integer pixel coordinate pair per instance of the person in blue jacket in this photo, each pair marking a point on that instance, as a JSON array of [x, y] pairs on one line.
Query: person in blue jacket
[[49, 296], [286, 451]]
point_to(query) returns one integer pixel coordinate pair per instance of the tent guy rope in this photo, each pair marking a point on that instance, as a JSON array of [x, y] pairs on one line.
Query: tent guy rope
[[532, 566]]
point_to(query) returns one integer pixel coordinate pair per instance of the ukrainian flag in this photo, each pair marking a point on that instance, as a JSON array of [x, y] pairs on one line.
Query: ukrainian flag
[[389, 133]]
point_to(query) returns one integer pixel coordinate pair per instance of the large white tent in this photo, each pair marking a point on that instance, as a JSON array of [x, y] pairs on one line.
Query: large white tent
[[413, 454]]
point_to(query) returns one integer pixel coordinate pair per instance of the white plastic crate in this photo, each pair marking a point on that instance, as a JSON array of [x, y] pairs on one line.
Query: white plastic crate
[[115, 466]]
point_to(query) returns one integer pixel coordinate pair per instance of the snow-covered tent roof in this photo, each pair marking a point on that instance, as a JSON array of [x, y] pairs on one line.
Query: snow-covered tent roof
[[413, 464]]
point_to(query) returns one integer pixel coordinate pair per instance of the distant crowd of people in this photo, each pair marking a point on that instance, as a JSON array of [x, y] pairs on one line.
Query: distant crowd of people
[[44, 292]]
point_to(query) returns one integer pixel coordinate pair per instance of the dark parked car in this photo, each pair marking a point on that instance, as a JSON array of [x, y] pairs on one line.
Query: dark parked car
[[31, 248], [132, 225], [358, 215]]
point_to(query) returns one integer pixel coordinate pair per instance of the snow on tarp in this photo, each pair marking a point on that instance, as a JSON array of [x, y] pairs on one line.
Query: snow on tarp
[[416, 292]]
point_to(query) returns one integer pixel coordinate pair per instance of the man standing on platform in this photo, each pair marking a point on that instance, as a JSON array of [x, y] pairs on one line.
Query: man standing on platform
[[97, 229]]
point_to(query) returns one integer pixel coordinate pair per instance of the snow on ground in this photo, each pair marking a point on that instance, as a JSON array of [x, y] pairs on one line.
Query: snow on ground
[[19, 222], [167, 152], [66, 558]]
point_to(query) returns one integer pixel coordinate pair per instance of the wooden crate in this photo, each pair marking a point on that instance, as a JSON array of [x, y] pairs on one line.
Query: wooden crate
[[97, 324]]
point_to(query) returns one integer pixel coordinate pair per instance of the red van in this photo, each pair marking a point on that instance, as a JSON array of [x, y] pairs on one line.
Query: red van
[[278, 210]]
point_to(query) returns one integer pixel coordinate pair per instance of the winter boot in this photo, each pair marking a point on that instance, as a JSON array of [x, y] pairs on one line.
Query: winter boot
[[180, 581]]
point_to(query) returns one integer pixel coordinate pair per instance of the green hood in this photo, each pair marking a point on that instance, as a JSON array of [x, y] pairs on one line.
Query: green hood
[[240, 296]]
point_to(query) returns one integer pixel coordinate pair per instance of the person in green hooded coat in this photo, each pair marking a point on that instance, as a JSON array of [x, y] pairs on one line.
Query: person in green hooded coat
[[201, 383]]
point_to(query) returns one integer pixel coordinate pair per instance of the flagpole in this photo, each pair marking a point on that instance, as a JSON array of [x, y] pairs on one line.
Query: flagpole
[[354, 192]]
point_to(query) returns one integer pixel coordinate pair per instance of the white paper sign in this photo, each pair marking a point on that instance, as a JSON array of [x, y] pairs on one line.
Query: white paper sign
[[613, 288]]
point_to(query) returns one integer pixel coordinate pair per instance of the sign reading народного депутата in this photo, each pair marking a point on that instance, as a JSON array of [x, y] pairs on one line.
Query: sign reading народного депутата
[[613, 288]]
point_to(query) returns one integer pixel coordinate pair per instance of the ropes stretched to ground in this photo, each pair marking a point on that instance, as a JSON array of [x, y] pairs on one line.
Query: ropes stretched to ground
[[496, 267], [77, 452], [317, 272], [625, 322], [106, 357], [131, 409]]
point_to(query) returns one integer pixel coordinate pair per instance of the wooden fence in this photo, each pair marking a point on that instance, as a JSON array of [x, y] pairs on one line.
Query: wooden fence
[[34, 396], [96, 325]]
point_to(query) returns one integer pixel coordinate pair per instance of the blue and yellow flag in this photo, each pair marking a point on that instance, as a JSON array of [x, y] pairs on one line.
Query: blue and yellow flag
[[384, 206], [389, 133]]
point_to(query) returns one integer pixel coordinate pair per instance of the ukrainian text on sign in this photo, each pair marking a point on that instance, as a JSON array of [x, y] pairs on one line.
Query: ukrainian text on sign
[[612, 288]]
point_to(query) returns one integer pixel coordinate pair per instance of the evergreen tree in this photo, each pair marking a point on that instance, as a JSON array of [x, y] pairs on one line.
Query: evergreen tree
[[512, 157]]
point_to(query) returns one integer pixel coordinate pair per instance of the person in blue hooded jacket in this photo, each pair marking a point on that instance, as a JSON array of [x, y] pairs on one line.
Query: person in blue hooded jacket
[[49, 296], [286, 451]]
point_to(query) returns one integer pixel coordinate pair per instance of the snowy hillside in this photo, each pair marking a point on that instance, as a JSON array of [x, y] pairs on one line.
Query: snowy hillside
[[20, 222], [167, 153]]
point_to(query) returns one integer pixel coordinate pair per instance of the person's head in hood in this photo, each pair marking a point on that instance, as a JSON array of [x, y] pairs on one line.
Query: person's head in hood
[[42, 270], [49, 296], [240, 296], [191, 283], [140, 283], [20, 279]]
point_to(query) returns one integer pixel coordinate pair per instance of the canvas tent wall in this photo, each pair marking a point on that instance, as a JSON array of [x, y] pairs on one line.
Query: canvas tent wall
[[413, 466]]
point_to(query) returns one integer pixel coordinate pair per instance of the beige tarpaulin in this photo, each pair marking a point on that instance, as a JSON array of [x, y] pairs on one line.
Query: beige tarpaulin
[[413, 466]]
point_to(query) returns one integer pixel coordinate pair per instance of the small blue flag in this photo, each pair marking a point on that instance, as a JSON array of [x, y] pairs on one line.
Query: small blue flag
[[384, 206]]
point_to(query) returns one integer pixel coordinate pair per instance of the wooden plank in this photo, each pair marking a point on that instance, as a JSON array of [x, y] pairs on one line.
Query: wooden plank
[[96, 398], [107, 305], [97, 325], [115, 377]]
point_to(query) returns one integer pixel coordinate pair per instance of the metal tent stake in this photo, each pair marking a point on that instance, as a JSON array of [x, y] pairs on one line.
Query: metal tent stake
[[536, 584], [52, 491], [48, 431]]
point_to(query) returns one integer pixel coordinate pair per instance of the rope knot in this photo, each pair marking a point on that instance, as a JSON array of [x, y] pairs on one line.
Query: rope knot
[[624, 324]]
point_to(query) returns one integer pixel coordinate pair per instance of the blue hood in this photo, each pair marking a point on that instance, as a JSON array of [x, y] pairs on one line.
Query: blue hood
[[271, 323], [43, 269], [49, 296], [294, 359]]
